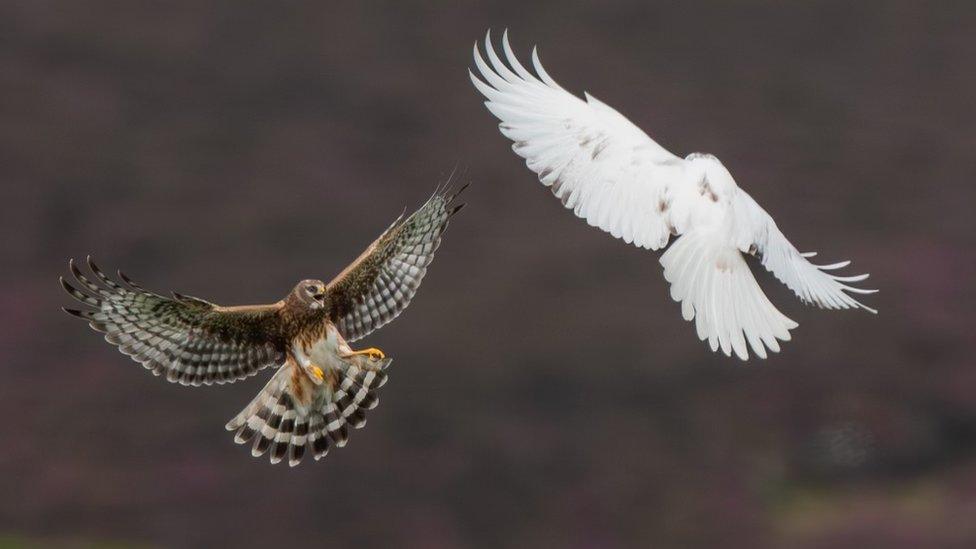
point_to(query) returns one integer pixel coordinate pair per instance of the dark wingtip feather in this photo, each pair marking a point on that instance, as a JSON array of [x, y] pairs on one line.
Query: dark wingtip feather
[[95, 289], [77, 294], [91, 264], [459, 191], [75, 312], [75, 271], [128, 281], [100, 275], [445, 191], [449, 198]]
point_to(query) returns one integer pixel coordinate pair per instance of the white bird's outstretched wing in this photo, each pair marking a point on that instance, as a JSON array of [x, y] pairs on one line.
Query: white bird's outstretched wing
[[597, 162], [813, 284]]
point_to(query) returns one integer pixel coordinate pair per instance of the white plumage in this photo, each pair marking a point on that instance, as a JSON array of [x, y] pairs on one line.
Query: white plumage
[[614, 176]]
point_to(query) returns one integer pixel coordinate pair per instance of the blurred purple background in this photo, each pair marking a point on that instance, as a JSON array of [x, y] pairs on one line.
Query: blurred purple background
[[546, 392]]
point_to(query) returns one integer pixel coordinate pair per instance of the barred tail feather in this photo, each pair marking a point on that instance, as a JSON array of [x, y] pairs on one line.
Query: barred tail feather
[[356, 392], [715, 287], [292, 416]]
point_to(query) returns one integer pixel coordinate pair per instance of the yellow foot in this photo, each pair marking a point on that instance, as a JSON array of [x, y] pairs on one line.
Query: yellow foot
[[317, 372], [372, 353]]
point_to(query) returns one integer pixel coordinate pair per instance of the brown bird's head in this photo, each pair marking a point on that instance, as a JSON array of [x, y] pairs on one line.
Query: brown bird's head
[[308, 294]]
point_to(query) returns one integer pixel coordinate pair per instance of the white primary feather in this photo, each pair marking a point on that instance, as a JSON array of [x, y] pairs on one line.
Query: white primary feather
[[610, 173]]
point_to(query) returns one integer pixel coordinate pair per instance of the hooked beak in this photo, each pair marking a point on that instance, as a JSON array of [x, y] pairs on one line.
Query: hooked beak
[[319, 298]]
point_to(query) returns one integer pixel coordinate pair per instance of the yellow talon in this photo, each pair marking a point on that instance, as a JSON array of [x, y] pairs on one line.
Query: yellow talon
[[372, 353], [317, 372]]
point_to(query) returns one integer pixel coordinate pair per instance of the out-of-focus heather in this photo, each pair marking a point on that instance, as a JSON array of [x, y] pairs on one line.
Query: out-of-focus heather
[[545, 392]]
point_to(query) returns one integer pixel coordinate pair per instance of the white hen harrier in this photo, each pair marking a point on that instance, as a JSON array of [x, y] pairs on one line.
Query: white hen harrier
[[614, 176]]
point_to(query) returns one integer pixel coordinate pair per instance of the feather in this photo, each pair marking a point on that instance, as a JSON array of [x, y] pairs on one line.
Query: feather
[[283, 424], [190, 340], [380, 284]]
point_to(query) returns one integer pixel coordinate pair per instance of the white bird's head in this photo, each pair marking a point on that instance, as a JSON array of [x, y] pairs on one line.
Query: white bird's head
[[717, 183]]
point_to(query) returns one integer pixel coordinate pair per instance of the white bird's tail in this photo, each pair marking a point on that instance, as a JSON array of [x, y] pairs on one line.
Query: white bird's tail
[[715, 287]]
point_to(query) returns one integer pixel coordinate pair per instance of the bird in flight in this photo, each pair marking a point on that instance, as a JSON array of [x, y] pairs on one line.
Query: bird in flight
[[610, 173], [321, 385]]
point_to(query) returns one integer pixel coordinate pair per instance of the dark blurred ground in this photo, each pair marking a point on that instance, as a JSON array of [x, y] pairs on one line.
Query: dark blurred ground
[[546, 392]]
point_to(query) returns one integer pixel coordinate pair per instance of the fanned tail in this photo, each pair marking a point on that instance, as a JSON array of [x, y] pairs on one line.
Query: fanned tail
[[292, 415], [715, 287]]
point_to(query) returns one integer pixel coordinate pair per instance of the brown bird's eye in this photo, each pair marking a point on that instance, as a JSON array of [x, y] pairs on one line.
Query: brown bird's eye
[[310, 289]]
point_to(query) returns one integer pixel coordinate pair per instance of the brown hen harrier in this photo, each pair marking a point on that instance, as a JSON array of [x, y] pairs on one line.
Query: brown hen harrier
[[321, 385]]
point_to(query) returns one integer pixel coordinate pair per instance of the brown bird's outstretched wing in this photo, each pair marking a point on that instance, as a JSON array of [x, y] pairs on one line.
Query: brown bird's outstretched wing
[[192, 341], [379, 285]]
